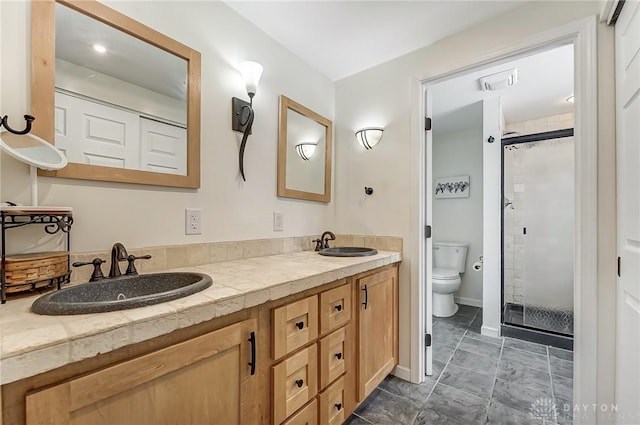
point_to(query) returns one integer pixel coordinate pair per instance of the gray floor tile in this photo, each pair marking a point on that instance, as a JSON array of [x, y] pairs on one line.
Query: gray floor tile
[[442, 352], [475, 362], [446, 333], [526, 346], [520, 397], [477, 346], [467, 310], [517, 373], [561, 367], [356, 420], [500, 414], [565, 411], [415, 392], [525, 359], [450, 406], [562, 387], [467, 380], [382, 407], [461, 320], [561, 354], [489, 339]]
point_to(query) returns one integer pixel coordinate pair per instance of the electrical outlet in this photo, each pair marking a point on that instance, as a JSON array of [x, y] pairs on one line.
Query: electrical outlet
[[193, 221], [278, 222]]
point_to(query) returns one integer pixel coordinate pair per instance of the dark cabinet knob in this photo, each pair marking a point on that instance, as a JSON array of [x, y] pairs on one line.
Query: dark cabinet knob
[[300, 325], [338, 406], [339, 307], [338, 356], [299, 383]]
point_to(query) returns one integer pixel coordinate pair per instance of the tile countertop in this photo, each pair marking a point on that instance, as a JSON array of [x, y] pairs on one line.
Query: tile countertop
[[31, 344]]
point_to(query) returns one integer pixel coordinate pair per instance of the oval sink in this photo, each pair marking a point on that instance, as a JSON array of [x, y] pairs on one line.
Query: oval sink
[[121, 293], [348, 251]]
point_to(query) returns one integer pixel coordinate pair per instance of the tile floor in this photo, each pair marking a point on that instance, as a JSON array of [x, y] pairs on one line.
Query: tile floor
[[477, 380]]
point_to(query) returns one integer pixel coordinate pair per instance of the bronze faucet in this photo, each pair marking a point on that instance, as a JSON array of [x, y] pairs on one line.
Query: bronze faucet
[[118, 253], [323, 242]]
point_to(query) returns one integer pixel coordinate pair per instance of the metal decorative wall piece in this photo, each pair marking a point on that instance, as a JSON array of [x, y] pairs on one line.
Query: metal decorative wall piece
[[451, 187]]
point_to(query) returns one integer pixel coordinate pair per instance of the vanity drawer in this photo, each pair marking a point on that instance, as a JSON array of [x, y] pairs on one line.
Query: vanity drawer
[[335, 308], [331, 404], [307, 416], [294, 325], [294, 383], [332, 354]]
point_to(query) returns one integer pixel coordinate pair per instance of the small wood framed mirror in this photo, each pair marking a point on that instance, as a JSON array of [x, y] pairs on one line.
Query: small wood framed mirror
[[304, 153], [120, 99]]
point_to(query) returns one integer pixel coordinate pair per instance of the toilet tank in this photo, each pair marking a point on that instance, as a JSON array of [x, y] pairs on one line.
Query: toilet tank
[[450, 255]]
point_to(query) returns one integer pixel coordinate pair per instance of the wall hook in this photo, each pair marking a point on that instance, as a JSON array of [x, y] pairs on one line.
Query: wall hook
[[5, 122], [491, 139], [368, 190]]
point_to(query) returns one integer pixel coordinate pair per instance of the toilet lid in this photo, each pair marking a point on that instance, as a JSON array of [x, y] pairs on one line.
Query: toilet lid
[[444, 274]]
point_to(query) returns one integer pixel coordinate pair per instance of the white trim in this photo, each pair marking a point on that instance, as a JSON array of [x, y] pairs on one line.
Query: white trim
[[402, 373], [492, 332], [583, 34], [468, 301]]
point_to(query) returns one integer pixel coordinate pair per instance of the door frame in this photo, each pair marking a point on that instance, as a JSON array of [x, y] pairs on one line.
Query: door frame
[[582, 33]]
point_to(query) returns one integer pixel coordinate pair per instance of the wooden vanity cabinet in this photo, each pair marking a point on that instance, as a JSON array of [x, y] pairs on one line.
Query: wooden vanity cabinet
[[204, 380], [377, 335]]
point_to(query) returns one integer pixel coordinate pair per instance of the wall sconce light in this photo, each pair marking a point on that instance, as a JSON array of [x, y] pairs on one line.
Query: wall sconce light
[[306, 150], [242, 111], [369, 137]]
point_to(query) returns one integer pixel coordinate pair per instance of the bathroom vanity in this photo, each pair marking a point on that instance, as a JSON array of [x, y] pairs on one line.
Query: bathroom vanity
[[295, 338]]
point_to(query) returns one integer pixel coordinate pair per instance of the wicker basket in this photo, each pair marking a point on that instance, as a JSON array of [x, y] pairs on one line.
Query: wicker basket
[[23, 269]]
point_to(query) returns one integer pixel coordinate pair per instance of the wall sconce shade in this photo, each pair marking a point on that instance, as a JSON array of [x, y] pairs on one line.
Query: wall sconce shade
[[251, 72], [369, 137], [306, 150], [242, 111]]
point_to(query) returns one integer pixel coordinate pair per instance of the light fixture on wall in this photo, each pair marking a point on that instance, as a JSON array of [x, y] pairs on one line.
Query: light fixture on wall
[[242, 111], [306, 150], [369, 137]]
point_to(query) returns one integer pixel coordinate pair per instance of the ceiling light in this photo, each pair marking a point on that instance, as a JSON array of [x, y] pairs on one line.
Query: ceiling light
[[570, 99], [500, 80], [99, 48], [306, 150], [369, 137]]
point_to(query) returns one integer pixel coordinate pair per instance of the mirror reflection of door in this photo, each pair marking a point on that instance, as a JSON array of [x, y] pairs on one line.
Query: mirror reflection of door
[[120, 102], [306, 143]]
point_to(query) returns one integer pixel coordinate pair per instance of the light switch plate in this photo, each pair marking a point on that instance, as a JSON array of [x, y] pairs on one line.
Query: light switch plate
[[278, 222], [193, 221]]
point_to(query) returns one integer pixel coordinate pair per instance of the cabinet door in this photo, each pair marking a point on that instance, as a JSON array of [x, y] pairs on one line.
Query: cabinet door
[[205, 380], [377, 328]]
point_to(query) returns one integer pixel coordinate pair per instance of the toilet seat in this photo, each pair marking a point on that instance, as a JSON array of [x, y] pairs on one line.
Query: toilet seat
[[445, 274]]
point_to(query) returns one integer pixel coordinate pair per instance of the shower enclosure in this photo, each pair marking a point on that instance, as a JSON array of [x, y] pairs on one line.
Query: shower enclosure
[[537, 237]]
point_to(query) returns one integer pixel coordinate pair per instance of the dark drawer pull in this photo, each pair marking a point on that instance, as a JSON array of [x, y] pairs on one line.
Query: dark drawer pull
[[338, 406], [338, 356], [300, 325], [252, 363], [339, 307], [366, 297], [299, 383]]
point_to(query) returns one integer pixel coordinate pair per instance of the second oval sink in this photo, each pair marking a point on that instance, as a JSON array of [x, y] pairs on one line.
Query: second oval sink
[[348, 251], [121, 293]]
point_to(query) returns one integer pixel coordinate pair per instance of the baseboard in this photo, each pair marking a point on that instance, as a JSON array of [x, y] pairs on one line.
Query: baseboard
[[468, 301], [402, 373], [492, 332]]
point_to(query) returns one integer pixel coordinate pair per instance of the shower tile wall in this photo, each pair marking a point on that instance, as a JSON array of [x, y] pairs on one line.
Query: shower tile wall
[[514, 192]]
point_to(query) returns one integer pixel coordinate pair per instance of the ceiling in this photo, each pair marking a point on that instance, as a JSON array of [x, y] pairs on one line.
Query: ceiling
[[341, 38], [545, 80]]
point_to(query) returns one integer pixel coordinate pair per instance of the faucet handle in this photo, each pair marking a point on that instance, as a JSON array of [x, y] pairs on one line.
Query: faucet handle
[[97, 271], [319, 244], [131, 268]]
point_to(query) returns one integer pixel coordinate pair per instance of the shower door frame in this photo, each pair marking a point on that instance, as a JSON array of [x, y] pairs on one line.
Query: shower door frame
[[517, 140]]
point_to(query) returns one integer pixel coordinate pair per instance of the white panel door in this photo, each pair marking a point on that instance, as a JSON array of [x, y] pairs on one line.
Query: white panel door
[[96, 134], [163, 147], [428, 247], [627, 50]]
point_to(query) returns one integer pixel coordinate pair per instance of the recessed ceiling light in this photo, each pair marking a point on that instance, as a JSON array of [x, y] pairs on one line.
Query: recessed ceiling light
[[570, 99], [99, 48]]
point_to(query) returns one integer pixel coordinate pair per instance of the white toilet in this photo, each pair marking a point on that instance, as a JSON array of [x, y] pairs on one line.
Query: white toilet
[[449, 259]]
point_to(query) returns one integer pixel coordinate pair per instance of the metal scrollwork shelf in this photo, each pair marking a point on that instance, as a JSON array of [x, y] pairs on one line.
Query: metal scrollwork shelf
[[54, 221]]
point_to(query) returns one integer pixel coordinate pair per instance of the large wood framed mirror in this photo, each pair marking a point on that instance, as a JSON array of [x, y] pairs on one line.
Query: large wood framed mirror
[[304, 153], [120, 99]]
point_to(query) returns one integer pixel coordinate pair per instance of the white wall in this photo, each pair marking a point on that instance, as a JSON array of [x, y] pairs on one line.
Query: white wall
[[382, 96], [460, 219], [148, 216]]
